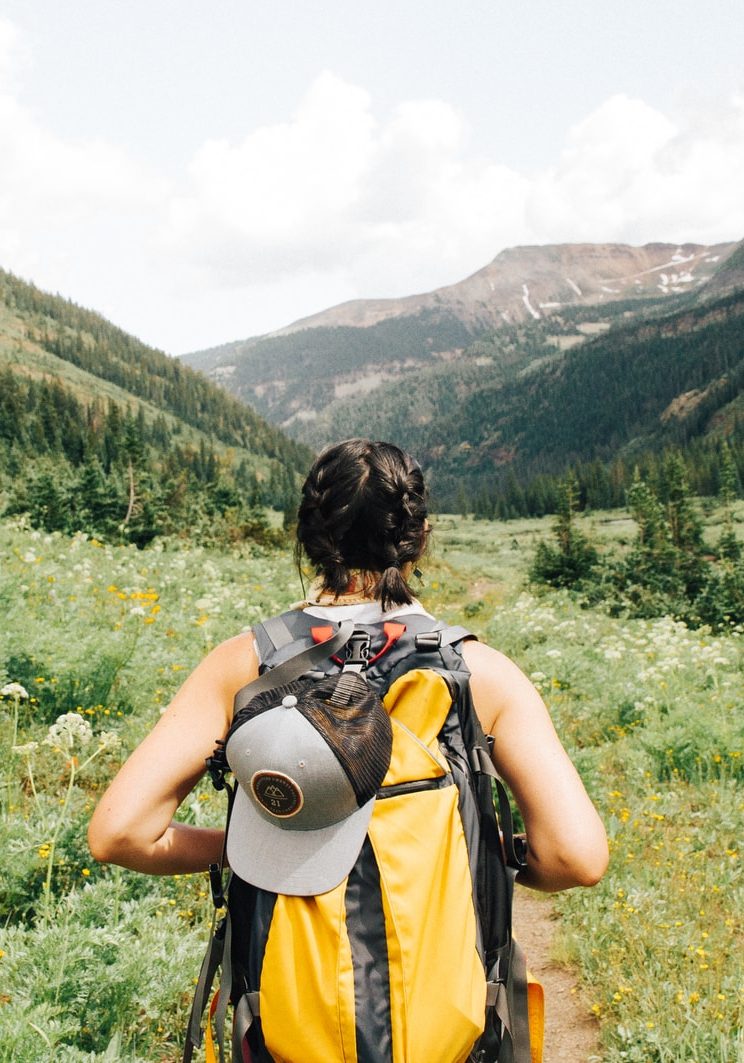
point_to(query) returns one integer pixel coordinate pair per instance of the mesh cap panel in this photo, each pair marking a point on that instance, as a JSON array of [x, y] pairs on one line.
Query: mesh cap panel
[[350, 718]]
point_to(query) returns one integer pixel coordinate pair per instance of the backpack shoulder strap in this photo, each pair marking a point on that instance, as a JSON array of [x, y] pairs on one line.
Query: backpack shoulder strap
[[275, 637], [294, 666], [426, 643]]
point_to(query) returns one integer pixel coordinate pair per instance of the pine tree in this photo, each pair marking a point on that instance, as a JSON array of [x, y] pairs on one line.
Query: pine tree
[[685, 525], [729, 547], [574, 557]]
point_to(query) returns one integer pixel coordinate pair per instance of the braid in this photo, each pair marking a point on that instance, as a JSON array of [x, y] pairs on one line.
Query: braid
[[324, 523], [363, 507]]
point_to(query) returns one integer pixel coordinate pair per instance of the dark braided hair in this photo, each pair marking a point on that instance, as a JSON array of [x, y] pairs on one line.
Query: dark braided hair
[[363, 507]]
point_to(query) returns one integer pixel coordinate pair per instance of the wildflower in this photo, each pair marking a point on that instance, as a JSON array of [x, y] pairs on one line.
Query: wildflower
[[85, 872], [26, 750], [14, 690], [69, 729], [109, 740]]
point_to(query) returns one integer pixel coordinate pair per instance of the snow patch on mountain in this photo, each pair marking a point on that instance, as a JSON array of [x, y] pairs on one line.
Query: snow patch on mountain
[[528, 304]]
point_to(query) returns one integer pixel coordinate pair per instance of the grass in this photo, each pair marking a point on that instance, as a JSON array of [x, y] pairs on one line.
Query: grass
[[98, 964]]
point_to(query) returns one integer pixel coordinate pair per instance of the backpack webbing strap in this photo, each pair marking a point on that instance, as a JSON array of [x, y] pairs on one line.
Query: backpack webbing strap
[[277, 631], [481, 762], [438, 637], [294, 667], [516, 989], [225, 987], [210, 963], [246, 1010]]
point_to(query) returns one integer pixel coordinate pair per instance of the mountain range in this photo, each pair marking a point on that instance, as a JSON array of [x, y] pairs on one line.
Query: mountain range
[[594, 356], [547, 356]]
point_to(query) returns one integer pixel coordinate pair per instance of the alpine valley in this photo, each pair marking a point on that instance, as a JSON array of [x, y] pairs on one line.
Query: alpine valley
[[597, 356]]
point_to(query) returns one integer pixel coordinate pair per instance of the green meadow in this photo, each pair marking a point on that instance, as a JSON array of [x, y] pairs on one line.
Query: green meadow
[[97, 963]]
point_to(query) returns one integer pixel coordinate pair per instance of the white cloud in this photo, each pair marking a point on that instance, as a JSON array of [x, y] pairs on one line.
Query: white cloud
[[14, 54], [629, 173], [282, 199], [339, 202]]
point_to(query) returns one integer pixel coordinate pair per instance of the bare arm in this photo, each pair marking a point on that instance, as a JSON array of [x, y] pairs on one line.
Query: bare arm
[[567, 841], [132, 824]]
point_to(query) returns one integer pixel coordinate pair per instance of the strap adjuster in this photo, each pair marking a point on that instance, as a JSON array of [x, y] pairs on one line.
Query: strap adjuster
[[428, 641], [215, 885]]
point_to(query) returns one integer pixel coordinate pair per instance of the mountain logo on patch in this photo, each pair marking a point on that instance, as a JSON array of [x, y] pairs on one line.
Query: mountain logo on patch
[[277, 793]]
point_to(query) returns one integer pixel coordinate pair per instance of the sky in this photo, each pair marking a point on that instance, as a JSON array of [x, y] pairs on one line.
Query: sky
[[204, 172]]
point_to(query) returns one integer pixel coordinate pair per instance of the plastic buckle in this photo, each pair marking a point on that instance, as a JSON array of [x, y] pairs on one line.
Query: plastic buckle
[[428, 641], [521, 850], [358, 651], [215, 885], [217, 766]]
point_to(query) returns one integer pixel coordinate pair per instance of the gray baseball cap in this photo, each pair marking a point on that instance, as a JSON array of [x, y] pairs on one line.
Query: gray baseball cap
[[308, 759]]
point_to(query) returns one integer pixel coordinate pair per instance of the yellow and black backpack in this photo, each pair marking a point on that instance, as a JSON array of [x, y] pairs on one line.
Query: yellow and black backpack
[[411, 958]]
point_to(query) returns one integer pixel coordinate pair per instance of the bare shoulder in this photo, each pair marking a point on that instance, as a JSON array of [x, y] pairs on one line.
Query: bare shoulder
[[216, 679], [481, 657], [498, 684], [234, 662]]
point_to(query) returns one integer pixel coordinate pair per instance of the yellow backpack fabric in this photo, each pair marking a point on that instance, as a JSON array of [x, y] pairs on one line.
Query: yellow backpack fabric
[[437, 987]]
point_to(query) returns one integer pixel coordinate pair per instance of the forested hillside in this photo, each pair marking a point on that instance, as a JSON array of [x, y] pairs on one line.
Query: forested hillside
[[614, 401], [100, 432]]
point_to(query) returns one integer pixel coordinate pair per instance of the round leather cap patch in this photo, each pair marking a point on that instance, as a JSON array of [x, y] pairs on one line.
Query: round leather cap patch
[[279, 794]]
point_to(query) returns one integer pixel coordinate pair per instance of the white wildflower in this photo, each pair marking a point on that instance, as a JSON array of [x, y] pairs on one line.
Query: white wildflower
[[108, 740], [136, 610], [14, 690], [553, 653], [68, 729], [26, 750]]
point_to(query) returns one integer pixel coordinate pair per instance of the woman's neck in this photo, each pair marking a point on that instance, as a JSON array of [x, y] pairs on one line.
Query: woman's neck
[[359, 589]]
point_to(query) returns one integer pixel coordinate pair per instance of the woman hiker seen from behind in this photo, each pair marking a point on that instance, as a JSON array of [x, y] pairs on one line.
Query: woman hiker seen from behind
[[369, 896]]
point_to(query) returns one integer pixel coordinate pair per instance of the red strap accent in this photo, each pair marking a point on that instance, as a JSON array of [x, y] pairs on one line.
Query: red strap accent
[[321, 634], [393, 632]]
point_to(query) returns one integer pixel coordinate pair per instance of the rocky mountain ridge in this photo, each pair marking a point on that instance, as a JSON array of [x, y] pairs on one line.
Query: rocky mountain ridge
[[532, 282]]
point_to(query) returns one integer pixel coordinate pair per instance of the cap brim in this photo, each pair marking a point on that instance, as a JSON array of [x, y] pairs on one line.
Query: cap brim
[[296, 862]]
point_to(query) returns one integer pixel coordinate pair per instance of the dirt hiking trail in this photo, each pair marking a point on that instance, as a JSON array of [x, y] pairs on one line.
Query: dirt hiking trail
[[571, 1034]]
